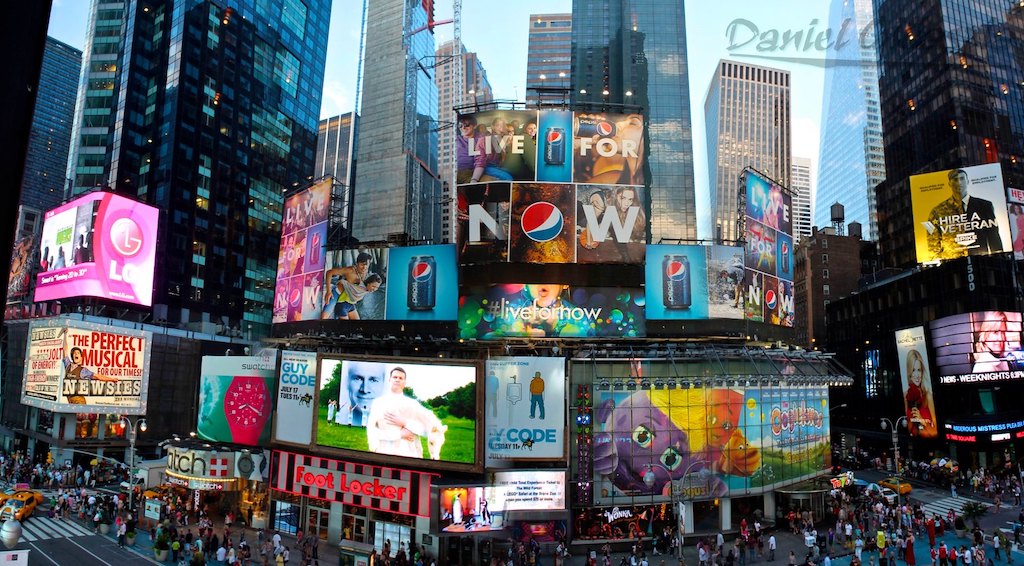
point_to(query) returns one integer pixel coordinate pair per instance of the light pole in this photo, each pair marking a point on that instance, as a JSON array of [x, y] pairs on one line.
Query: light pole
[[888, 424], [139, 425], [678, 501]]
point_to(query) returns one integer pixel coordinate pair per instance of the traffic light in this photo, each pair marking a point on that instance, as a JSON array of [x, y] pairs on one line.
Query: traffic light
[[49, 457]]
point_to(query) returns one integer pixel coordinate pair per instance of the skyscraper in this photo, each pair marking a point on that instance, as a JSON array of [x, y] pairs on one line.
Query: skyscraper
[[475, 89], [630, 55], [50, 139], [549, 58], [208, 111], [803, 191], [951, 96], [747, 117], [398, 184], [851, 161], [334, 148]]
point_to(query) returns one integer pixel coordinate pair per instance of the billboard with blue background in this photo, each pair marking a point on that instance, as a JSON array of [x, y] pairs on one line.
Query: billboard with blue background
[[677, 284], [419, 289], [554, 145], [714, 440]]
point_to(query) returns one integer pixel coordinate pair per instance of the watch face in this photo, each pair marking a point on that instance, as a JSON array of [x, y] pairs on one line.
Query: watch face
[[244, 403]]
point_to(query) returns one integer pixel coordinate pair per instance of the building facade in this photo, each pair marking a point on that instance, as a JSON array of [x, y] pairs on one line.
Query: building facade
[[476, 89], [851, 160], [208, 112], [630, 55], [398, 127], [549, 59], [335, 153], [803, 193], [951, 97], [747, 119], [50, 139]]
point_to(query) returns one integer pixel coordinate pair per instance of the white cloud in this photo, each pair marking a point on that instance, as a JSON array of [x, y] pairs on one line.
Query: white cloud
[[337, 99]]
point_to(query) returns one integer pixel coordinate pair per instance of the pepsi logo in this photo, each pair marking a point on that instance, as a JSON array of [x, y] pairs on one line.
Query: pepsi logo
[[295, 297], [554, 135], [421, 271], [770, 299], [604, 128], [541, 222], [675, 270]]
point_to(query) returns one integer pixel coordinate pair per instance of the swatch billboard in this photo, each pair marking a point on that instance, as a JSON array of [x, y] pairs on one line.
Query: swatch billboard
[[399, 407], [959, 212], [712, 440], [524, 409], [79, 367], [236, 395], [768, 262], [978, 347], [300, 262], [99, 245], [545, 310]]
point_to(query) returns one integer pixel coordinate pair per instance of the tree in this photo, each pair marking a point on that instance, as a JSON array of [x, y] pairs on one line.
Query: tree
[[973, 511], [332, 389], [461, 402]]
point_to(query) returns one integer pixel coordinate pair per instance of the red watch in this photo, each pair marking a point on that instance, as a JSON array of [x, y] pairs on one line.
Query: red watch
[[247, 408]]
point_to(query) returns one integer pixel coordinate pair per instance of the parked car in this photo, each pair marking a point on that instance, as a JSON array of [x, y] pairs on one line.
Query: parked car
[[164, 489], [20, 505], [898, 485]]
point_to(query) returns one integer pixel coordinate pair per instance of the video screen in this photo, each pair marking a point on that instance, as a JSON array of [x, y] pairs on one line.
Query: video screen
[[978, 346], [399, 408]]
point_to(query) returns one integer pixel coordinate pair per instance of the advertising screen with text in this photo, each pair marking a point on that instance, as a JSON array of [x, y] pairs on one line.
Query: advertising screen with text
[[978, 347]]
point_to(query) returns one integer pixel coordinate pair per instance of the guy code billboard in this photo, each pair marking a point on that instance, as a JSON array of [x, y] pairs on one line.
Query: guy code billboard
[[768, 281], [524, 408], [99, 245], [296, 389], [960, 212], [300, 260], [398, 407], [80, 367]]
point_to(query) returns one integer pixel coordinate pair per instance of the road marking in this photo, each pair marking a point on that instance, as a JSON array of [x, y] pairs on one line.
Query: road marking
[[89, 553], [43, 554]]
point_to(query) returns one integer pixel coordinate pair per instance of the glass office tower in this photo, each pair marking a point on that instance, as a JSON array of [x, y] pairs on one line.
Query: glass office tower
[[631, 54]]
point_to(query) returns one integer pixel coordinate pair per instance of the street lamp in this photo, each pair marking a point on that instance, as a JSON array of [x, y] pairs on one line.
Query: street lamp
[[139, 425], [888, 424], [677, 503]]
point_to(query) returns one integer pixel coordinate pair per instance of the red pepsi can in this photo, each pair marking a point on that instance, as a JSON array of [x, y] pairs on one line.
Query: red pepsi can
[[675, 281], [422, 291], [554, 146], [590, 127]]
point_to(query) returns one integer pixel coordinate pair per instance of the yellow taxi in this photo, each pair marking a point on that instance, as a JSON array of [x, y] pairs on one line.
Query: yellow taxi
[[898, 485], [164, 490], [19, 505]]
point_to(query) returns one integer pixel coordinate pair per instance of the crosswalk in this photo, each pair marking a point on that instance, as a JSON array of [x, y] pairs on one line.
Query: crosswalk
[[942, 506], [41, 527]]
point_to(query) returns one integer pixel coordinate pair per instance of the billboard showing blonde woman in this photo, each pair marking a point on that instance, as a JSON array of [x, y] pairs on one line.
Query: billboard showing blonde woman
[[917, 382], [978, 347]]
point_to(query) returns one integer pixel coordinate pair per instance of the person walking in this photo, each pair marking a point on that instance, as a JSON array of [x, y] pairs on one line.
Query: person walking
[[771, 548]]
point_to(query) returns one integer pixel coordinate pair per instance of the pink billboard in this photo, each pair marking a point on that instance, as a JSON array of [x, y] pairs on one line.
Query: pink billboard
[[299, 293], [99, 245]]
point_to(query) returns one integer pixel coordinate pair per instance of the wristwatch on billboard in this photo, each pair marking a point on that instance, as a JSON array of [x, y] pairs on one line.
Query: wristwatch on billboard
[[246, 408]]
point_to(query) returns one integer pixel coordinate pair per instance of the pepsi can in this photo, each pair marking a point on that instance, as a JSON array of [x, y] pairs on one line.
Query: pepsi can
[[590, 127], [675, 277], [422, 283], [554, 146]]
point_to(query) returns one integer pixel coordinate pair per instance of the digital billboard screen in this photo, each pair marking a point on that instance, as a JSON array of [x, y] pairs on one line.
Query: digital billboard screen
[[768, 261], [978, 347], [959, 212], [399, 407], [524, 409], [711, 440], [296, 389], [486, 508], [355, 284], [916, 377], [18, 282], [300, 262], [693, 282], [99, 245], [80, 367], [424, 284], [550, 311], [236, 398], [1015, 202]]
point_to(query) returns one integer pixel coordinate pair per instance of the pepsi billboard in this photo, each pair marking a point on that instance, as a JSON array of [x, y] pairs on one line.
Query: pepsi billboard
[[545, 310], [423, 283], [298, 294], [551, 223], [768, 256], [693, 282]]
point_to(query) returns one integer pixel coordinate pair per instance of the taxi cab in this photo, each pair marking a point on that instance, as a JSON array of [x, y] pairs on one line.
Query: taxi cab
[[19, 505]]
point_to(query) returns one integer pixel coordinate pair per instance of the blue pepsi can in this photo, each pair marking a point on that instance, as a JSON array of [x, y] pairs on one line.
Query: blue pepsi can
[[554, 146], [422, 293], [675, 278]]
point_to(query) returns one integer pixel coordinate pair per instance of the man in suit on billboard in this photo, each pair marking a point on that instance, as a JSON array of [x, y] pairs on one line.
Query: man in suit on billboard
[[978, 216]]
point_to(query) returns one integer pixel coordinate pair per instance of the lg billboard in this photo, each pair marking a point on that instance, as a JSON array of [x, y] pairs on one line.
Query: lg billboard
[[100, 245]]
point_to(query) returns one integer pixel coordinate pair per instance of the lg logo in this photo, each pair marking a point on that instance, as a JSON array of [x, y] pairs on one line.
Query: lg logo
[[126, 239]]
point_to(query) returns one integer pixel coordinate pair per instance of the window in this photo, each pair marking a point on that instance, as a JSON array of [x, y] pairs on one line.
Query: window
[[824, 274], [824, 258], [825, 290], [824, 244]]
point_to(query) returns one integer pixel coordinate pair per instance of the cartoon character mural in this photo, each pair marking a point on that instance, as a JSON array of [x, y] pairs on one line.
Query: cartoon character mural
[[654, 437]]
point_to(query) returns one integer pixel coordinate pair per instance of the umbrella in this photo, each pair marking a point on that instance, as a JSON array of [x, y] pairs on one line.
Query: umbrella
[[94, 462]]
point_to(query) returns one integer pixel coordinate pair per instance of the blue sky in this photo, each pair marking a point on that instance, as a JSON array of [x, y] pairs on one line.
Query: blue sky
[[497, 31]]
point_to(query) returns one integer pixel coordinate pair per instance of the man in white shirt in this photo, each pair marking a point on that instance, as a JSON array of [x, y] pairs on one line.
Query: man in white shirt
[[397, 422], [222, 554], [771, 548], [276, 539]]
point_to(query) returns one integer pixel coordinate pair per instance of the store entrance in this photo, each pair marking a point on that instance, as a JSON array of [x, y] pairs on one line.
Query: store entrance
[[317, 519]]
